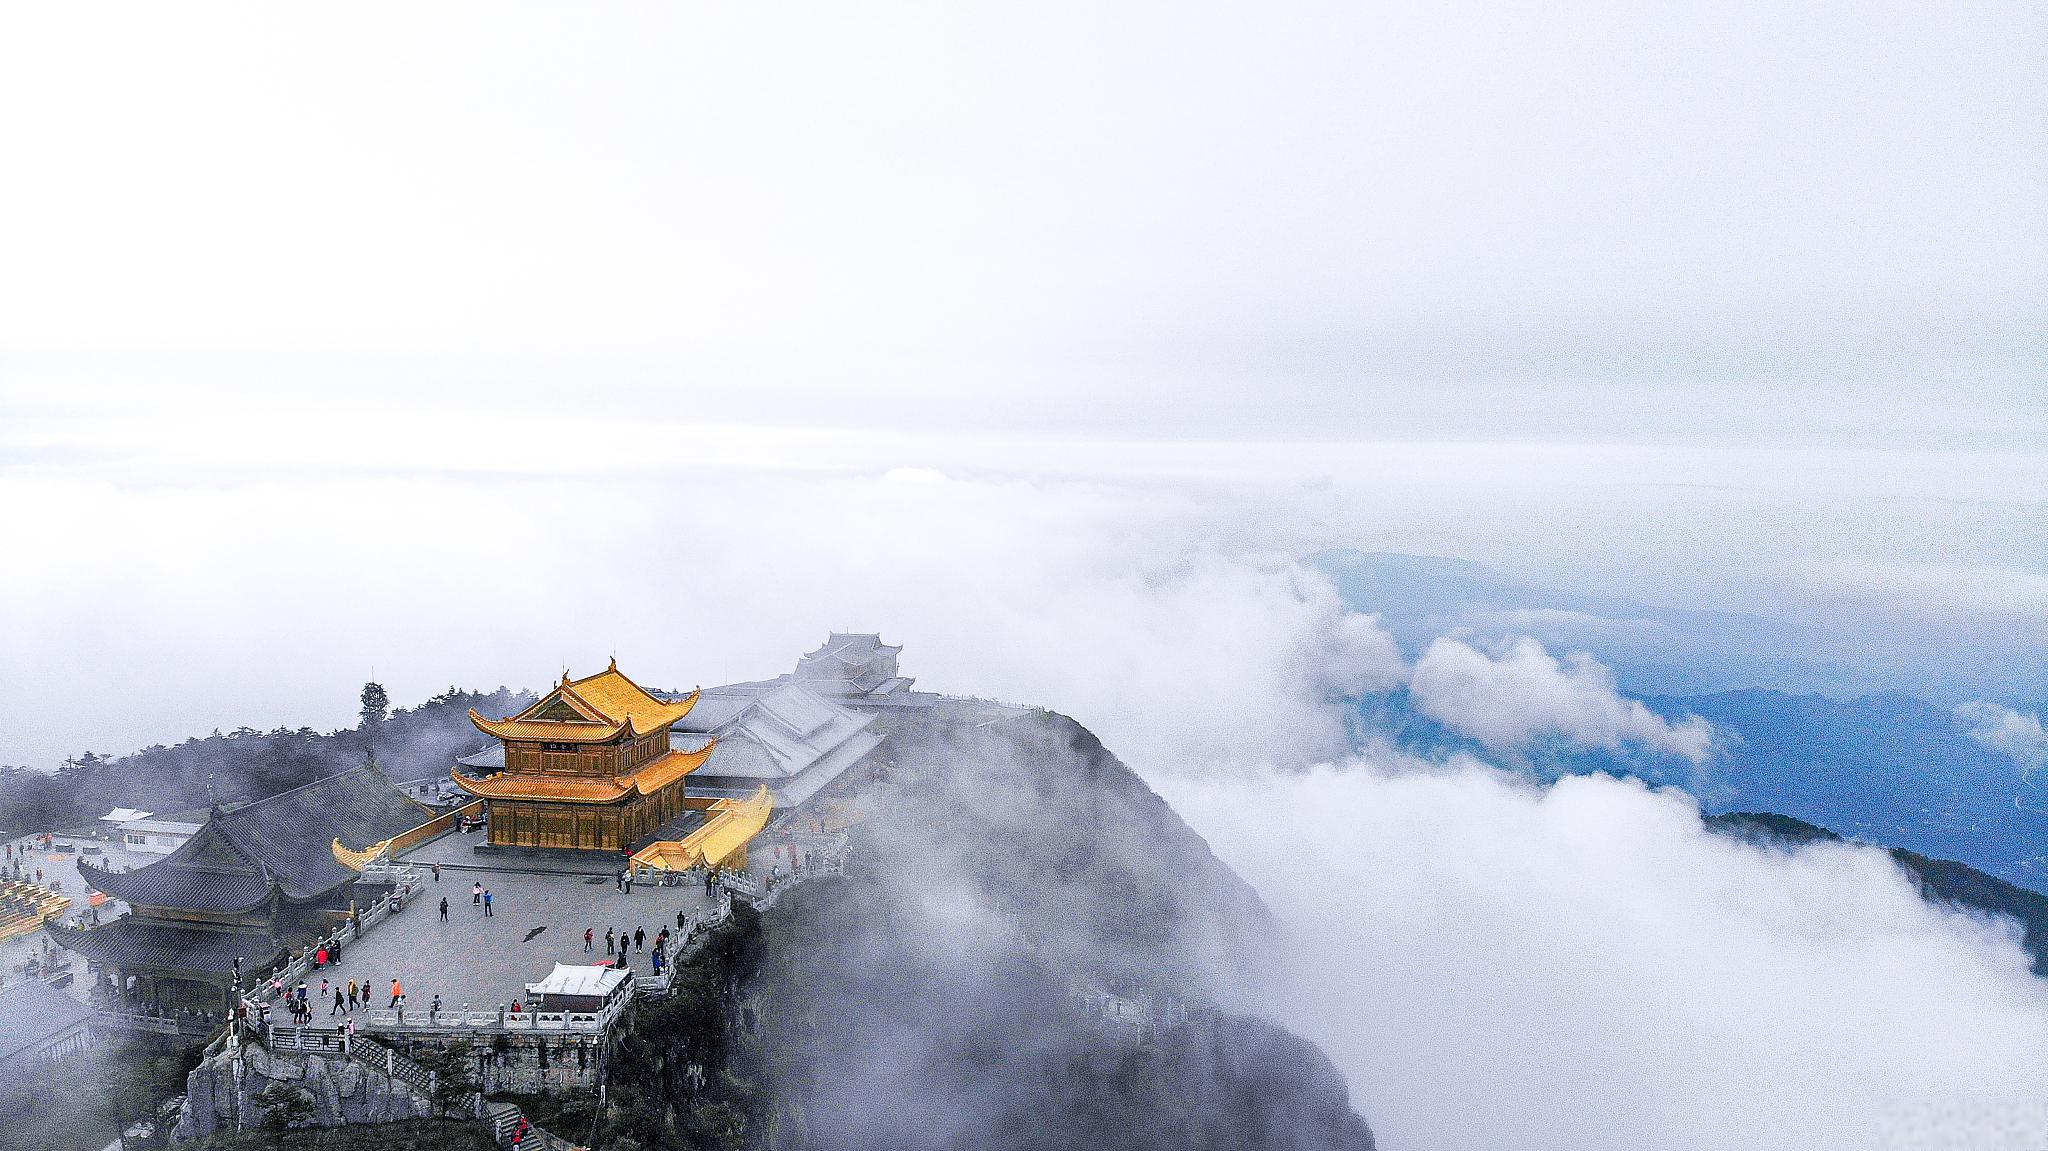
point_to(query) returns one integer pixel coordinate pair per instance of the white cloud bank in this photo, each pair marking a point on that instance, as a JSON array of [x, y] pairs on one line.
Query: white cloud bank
[[1584, 967], [1525, 694]]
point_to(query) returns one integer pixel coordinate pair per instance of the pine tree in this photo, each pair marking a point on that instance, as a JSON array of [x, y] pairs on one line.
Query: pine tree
[[376, 704]]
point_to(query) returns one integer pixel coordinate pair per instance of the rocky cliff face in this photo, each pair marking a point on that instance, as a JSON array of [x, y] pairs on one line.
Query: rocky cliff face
[[343, 1092], [1025, 956]]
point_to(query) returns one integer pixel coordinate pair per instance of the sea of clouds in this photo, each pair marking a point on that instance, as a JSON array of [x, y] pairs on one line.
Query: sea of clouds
[[1490, 963]]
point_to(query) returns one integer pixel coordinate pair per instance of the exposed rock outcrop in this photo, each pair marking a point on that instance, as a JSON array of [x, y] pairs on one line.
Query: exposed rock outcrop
[[343, 1091]]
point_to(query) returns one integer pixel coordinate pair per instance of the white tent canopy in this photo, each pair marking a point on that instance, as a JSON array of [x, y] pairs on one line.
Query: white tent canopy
[[124, 814], [580, 979]]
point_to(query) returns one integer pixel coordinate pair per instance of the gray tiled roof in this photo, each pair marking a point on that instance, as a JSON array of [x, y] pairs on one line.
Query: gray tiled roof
[[32, 1013], [128, 943], [164, 885], [286, 839], [291, 833]]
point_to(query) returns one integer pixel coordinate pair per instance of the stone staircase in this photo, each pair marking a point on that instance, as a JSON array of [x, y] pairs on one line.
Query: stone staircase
[[511, 1128]]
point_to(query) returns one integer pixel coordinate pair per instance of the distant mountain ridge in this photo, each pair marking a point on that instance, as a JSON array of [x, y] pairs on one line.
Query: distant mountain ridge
[[1886, 765], [1941, 880]]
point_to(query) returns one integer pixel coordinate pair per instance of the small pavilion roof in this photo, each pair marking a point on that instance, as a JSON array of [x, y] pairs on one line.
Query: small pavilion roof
[[732, 824]]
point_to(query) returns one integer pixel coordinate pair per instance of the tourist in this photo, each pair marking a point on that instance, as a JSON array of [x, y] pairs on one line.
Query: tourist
[[352, 996], [444, 909], [434, 1009], [608, 942], [320, 957], [587, 934], [476, 892], [397, 991], [487, 903], [639, 939], [620, 880], [437, 873], [323, 989], [629, 881], [681, 920], [340, 1007]]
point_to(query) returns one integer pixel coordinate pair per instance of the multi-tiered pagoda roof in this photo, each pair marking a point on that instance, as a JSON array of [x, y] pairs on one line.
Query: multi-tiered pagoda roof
[[606, 708]]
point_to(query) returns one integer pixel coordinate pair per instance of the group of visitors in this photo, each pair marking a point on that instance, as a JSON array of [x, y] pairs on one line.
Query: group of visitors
[[620, 944]]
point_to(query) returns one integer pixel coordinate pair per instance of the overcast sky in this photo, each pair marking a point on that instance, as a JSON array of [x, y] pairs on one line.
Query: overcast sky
[[1825, 221], [1702, 303]]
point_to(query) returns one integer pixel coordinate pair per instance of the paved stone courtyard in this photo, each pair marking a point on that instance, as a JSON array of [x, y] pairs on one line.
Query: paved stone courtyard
[[488, 961]]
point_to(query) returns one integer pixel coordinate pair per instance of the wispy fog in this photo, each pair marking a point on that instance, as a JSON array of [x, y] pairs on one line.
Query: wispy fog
[[184, 572]]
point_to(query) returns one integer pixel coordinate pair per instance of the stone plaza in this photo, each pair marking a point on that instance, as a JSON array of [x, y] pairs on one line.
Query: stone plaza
[[538, 919]]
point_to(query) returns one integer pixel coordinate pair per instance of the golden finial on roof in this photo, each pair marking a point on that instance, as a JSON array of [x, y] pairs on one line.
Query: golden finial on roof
[[615, 664], [565, 677]]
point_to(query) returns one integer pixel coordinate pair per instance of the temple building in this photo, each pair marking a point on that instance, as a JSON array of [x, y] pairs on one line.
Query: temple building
[[250, 884], [856, 668], [590, 767], [786, 737]]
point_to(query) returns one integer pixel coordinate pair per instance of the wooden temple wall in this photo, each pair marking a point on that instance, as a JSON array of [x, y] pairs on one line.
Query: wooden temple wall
[[583, 826], [586, 759], [434, 826]]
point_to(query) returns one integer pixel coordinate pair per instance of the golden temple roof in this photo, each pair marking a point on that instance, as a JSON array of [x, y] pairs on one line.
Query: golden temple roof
[[649, 779], [551, 730], [605, 707], [733, 825]]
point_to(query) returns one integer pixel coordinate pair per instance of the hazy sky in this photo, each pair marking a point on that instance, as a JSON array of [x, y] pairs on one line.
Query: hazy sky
[[305, 317], [1822, 222]]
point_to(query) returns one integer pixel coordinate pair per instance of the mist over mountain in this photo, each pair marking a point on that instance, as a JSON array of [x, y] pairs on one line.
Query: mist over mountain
[[952, 991]]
